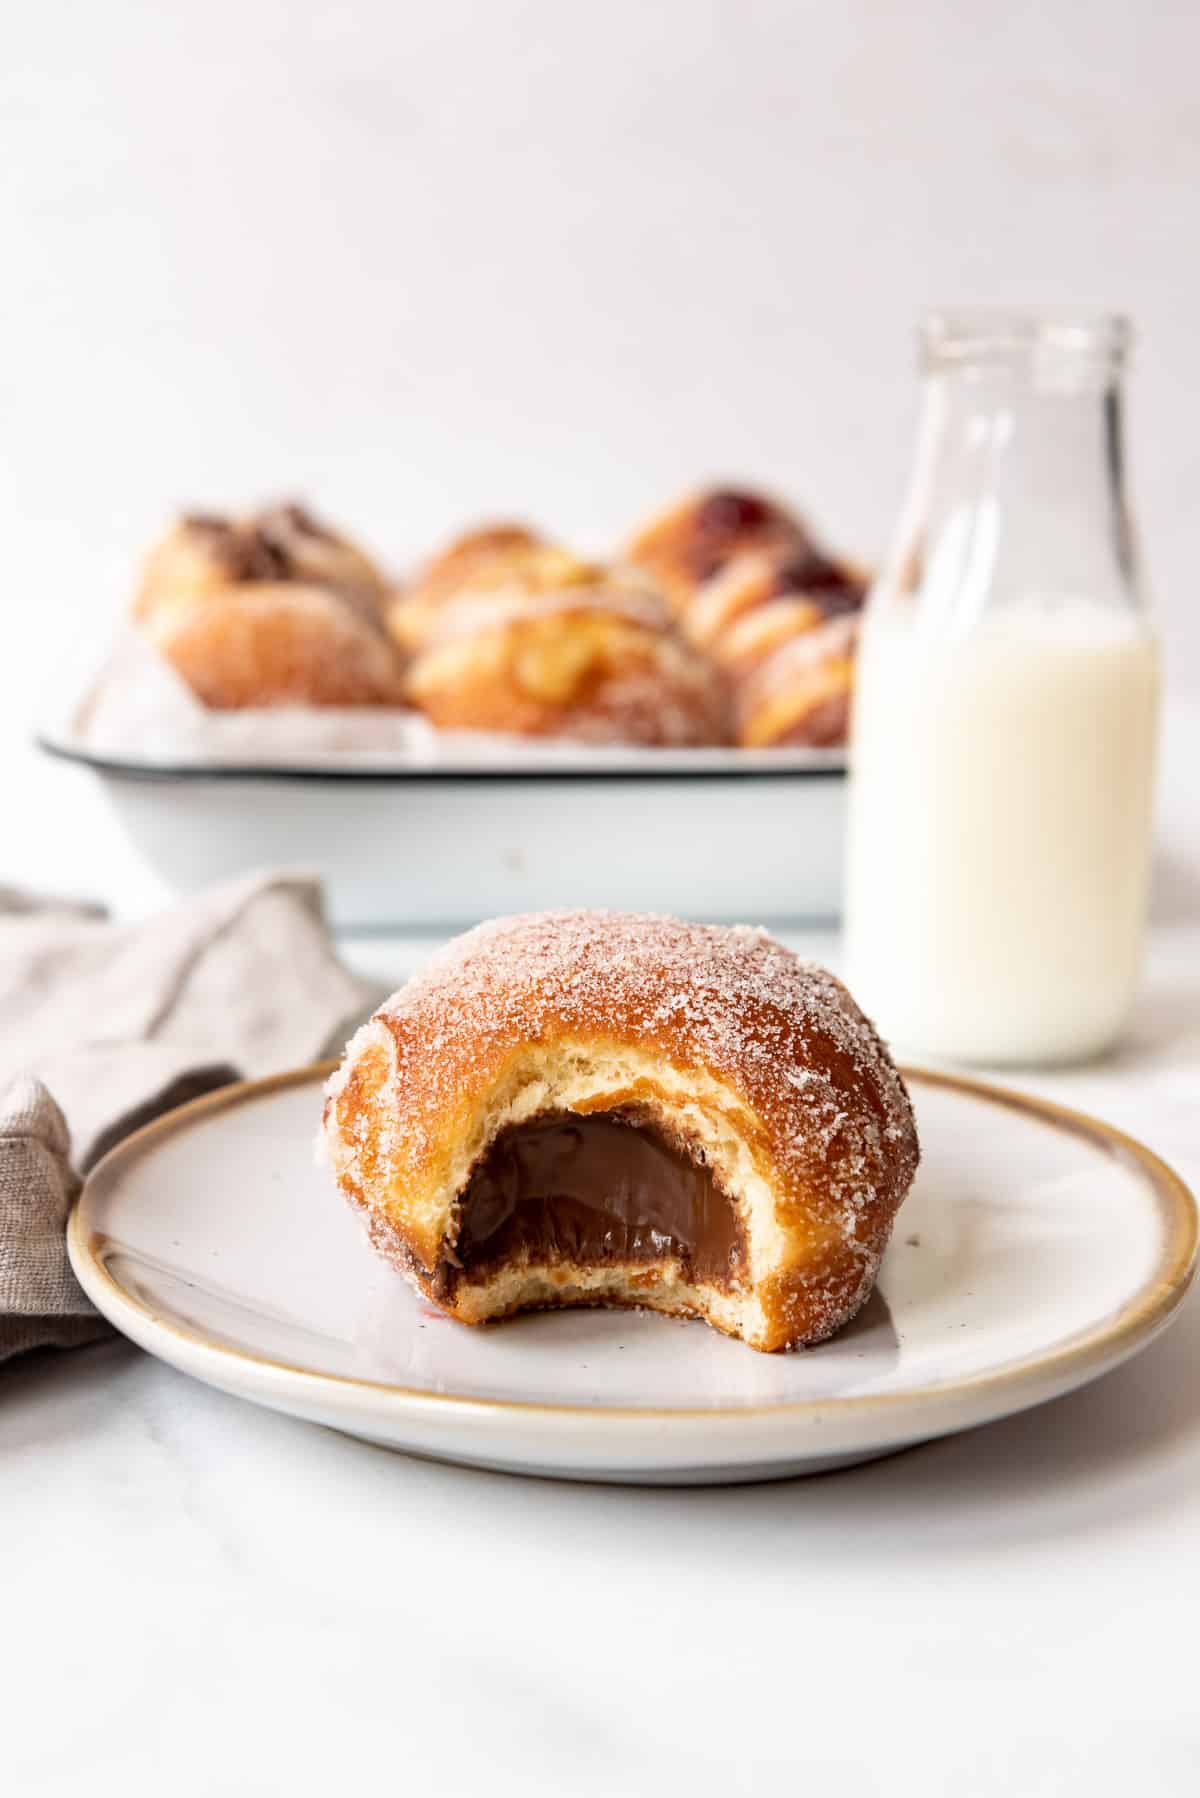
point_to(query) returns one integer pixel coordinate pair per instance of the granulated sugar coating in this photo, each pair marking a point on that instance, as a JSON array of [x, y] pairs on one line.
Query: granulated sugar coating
[[759, 1061], [585, 665], [473, 613], [742, 998]]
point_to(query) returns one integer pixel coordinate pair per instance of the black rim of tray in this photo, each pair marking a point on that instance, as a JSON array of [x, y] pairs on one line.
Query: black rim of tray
[[192, 771]]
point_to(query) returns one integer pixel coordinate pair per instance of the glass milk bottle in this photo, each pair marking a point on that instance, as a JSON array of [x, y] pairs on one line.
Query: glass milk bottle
[[1002, 750]]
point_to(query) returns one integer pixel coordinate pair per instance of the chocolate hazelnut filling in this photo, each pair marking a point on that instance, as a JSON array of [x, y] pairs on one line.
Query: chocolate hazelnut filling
[[594, 1190]]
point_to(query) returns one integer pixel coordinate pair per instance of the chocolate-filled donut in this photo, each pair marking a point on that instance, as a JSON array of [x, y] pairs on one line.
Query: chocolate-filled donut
[[206, 554], [606, 1108], [270, 643], [272, 608]]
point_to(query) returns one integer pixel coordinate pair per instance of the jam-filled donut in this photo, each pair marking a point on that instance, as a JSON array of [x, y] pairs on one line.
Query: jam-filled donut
[[827, 587], [692, 540], [594, 662], [758, 634], [780, 623], [581, 1108], [799, 694], [271, 609]]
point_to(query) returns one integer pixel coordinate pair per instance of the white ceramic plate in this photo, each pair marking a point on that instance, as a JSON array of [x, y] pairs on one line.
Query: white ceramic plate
[[1037, 1250]]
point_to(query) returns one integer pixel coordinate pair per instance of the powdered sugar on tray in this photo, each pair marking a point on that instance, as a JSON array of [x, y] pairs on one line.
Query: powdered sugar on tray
[[134, 709]]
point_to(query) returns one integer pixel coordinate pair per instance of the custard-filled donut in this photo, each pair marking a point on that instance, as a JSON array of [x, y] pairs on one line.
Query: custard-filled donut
[[593, 663], [489, 558], [206, 553], [799, 695], [692, 540], [581, 1108], [466, 555], [269, 644]]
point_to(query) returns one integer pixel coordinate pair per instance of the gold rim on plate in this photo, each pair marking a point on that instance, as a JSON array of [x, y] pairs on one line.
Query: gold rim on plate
[[1138, 1320]]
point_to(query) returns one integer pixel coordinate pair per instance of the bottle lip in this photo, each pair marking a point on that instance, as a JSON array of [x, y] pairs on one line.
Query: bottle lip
[[957, 335]]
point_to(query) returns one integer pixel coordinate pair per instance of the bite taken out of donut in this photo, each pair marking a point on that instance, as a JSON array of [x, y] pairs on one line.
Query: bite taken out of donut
[[607, 1108]]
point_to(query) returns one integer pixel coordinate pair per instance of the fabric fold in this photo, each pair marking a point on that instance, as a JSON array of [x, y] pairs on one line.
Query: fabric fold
[[105, 1026]]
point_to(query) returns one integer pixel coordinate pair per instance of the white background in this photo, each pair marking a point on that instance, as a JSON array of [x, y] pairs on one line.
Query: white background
[[422, 262], [419, 261]]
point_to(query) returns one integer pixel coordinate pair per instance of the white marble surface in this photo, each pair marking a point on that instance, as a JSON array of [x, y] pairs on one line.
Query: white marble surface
[[204, 1597]]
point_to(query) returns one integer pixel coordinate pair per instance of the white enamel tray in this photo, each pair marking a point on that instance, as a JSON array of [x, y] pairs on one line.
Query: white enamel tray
[[1038, 1249], [413, 828], [710, 833]]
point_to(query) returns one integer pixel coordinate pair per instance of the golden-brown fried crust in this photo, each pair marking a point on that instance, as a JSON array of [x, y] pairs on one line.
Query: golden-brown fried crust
[[689, 542], [591, 663], [766, 578], [781, 624], [274, 608], [757, 634], [724, 1033], [204, 554], [799, 694], [266, 644], [455, 565], [485, 560]]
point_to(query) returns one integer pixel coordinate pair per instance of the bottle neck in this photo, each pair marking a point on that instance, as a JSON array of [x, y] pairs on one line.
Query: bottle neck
[[1018, 494]]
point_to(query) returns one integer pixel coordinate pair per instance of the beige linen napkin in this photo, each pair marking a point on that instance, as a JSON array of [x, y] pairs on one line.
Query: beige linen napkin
[[122, 1022]]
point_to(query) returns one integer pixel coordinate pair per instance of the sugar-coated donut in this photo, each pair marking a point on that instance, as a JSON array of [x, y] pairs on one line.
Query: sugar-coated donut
[[274, 608], [205, 553], [269, 644], [781, 624], [466, 555], [581, 1108], [689, 542], [594, 662], [799, 694], [829, 588], [490, 558], [758, 634]]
